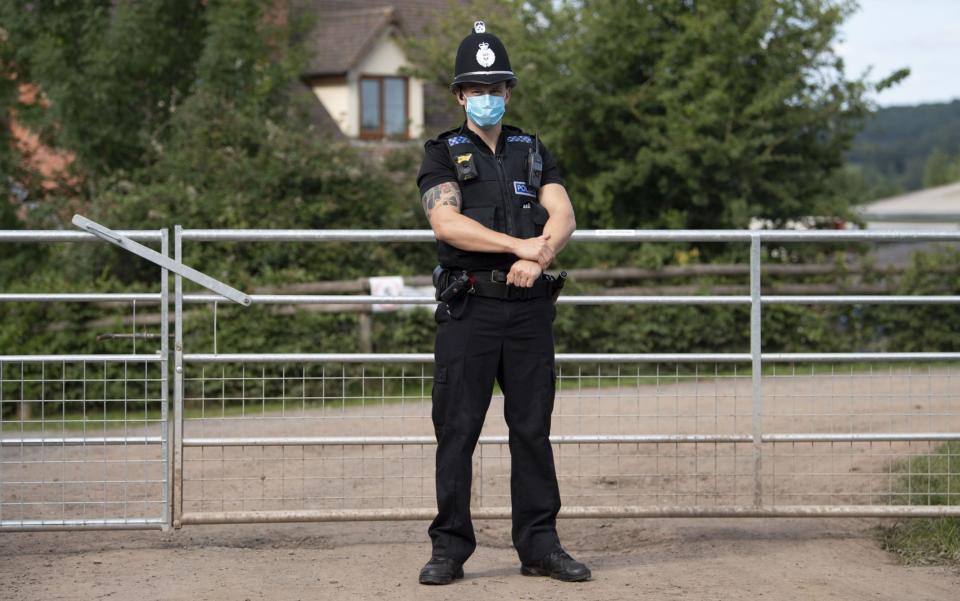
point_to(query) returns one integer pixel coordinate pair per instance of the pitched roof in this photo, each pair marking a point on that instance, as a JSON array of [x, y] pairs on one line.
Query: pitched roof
[[415, 15], [341, 38], [346, 29]]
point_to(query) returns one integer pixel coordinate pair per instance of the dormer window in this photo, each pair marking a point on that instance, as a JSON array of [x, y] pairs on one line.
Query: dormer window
[[384, 109]]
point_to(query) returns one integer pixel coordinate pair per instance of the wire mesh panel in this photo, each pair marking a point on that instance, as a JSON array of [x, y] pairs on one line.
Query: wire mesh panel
[[341, 403], [876, 423], [82, 443], [83, 436], [661, 427], [287, 437]]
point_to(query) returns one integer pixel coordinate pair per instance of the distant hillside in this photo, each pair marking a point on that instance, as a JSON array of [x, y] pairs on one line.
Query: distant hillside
[[897, 141]]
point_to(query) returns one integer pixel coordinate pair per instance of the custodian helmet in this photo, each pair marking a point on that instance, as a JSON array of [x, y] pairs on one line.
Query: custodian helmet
[[482, 58]]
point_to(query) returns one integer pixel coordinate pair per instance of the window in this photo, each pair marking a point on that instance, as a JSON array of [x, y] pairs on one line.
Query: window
[[383, 107]]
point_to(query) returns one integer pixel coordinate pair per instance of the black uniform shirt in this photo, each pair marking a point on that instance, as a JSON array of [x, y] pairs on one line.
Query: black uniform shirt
[[437, 168]]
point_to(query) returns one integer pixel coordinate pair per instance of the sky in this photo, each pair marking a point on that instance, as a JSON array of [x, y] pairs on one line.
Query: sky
[[921, 34]]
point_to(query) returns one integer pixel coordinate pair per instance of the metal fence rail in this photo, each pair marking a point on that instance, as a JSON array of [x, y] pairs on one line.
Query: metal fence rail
[[348, 436]]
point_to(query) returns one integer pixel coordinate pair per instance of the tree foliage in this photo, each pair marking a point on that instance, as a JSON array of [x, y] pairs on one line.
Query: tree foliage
[[695, 114], [111, 73]]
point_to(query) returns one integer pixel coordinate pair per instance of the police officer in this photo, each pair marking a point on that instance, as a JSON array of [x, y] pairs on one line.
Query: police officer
[[496, 202]]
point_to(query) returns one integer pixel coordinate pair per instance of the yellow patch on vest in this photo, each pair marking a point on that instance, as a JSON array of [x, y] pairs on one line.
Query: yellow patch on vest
[[463, 158]]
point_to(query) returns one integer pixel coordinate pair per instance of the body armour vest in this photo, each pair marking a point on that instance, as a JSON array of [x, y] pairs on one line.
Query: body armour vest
[[496, 191]]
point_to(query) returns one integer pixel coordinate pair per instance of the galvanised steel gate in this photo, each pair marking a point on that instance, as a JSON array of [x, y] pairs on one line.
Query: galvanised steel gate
[[65, 468], [333, 436]]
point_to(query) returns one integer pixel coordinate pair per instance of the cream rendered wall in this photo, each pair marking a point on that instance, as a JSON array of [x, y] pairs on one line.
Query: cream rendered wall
[[335, 98], [385, 58]]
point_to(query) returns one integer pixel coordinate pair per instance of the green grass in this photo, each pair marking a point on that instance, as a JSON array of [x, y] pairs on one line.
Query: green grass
[[923, 541], [927, 480]]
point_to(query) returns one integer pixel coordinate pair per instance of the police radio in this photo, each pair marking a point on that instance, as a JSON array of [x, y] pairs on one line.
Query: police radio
[[534, 164]]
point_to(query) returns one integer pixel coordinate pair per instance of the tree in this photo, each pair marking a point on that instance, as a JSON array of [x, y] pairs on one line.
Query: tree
[[113, 71], [940, 168], [694, 114]]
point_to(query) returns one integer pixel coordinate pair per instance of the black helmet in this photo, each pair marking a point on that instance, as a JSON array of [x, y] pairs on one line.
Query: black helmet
[[482, 58]]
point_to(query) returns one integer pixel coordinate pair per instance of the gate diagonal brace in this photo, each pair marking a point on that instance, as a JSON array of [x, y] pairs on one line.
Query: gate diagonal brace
[[167, 263]]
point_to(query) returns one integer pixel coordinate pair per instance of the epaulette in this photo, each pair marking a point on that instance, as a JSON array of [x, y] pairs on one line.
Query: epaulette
[[515, 135], [454, 137]]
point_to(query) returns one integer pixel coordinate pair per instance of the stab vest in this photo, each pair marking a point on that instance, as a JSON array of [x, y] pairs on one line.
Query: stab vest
[[495, 192]]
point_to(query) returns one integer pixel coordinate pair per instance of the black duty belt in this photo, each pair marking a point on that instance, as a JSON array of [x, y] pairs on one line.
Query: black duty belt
[[493, 284]]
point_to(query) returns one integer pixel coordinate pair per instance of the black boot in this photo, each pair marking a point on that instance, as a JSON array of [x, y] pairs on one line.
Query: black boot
[[557, 565], [440, 570]]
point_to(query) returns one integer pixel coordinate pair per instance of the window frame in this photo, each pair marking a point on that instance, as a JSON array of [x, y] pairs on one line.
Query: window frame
[[378, 134]]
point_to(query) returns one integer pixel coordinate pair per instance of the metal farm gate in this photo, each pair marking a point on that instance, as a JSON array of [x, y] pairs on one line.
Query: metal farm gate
[[103, 470], [269, 437]]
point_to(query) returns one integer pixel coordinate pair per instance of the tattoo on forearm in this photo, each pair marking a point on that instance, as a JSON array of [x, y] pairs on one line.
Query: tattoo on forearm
[[445, 194]]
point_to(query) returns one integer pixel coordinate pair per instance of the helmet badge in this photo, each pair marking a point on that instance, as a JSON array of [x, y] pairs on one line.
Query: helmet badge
[[485, 56], [479, 27]]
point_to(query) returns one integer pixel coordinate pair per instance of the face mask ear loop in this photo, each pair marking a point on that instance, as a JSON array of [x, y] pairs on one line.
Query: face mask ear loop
[[461, 96]]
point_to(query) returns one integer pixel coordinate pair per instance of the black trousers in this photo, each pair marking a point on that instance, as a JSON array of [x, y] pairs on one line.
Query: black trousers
[[512, 342]]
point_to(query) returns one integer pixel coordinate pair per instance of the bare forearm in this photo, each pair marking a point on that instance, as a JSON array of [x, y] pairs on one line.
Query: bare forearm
[[561, 228], [562, 223], [468, 234]]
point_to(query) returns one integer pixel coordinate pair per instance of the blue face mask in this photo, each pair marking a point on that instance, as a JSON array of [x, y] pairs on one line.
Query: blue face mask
[[486, 111]]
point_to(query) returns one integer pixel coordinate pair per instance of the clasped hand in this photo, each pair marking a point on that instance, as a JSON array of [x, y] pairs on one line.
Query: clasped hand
[[524, 273], [535, 256], [537, 250]]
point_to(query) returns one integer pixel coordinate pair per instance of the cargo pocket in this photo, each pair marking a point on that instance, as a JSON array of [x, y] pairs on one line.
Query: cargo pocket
[[439, 396], [447, 380], [440, 374], [440, 314], [550, 382]]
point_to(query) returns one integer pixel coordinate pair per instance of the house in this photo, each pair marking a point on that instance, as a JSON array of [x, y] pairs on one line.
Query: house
[[355, 70], [931, 209], [934, 208]]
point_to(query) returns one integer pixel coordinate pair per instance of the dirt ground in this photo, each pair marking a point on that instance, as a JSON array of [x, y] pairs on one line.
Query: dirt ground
[[776, 558], [709, 559]]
